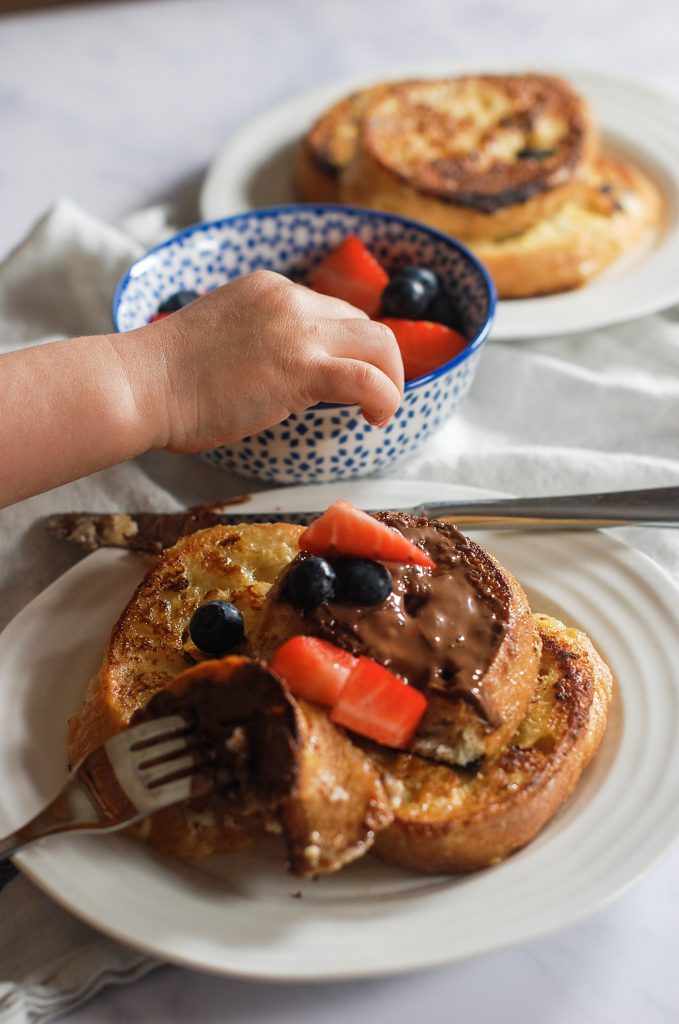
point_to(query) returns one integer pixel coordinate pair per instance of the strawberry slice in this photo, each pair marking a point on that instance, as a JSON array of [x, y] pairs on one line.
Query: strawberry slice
[[312, 668], [157, 316], [344, 529], [352, 273], [377, 704], [424, 345]]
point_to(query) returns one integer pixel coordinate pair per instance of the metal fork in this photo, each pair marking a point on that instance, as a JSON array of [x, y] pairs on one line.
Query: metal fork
[[133, 774]]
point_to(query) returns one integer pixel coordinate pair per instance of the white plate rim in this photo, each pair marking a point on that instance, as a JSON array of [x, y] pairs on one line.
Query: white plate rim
[[626, 565], [601, 303]]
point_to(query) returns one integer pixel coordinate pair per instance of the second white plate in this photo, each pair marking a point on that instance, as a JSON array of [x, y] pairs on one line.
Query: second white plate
[[243, 914], [253, 169]]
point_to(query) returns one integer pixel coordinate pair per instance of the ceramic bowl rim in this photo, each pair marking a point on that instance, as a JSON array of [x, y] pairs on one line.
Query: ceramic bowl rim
[[272, 211]]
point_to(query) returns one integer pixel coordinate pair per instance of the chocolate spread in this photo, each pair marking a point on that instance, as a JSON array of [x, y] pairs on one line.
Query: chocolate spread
[[440, 628]]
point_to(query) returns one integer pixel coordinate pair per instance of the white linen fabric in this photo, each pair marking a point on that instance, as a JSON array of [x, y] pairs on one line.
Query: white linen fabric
[[597, 411]]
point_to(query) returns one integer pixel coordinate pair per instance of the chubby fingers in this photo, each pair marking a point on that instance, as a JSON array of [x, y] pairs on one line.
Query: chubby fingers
[[360, 365], [328, 307], [371, 342]]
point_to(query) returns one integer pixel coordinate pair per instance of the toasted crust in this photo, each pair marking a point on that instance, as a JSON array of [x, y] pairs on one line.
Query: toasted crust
[[476, 156], [451, 820], [614, 205]]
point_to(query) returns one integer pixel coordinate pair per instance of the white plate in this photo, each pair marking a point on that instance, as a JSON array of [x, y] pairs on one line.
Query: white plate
[[243, 914], [254, 169]]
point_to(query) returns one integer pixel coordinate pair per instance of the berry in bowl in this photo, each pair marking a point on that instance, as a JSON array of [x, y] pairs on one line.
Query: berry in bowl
[[436, 297]]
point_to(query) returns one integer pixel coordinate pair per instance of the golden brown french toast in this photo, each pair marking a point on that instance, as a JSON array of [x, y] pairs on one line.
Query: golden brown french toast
[[340, 802], [150, 647], [452, 820], [509, 164], [336, 798], [476, 156], [462, 633], [150, 643], [612, 208], [275, 764], [335, 795], [328, 147]]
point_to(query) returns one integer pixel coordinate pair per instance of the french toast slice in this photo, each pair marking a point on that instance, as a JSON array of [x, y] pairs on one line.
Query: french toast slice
[[612, 208], [276, 764], [337, 795], [454, 820], [150, 643], [463, 633], [149, 646], [476, 156], [328, 147], [340, 803], [150, 654], [337, 798]]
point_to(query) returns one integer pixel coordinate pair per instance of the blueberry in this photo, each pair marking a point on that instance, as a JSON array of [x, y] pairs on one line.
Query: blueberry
[[216, 627], [427, 278], [362, 581], [177, 301], [443, 310], [409, 293], [310, 582]]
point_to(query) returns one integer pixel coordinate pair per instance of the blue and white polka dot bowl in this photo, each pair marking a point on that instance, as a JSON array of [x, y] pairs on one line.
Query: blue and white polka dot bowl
[[327, 442]]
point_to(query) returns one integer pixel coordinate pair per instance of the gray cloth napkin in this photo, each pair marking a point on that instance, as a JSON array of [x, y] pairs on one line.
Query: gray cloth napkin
[[597, 411]]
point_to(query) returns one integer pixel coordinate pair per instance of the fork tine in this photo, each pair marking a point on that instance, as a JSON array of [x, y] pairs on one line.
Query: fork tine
[[161, 751], [170, 770], [153, 732], [145, 756], [176, 791]]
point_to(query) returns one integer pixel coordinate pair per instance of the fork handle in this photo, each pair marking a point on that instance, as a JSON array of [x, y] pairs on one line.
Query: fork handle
[[29, 833], [33, 830], [73, 809], [12, 843]]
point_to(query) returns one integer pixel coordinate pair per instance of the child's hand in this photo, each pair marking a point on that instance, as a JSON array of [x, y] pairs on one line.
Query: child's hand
[[246, 355], [230, 364]]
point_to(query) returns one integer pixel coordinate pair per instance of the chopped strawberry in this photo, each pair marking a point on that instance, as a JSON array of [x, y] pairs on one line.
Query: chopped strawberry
[[424, 345], [352, 273], [157, 316], [377, 704], [344, 529], [312, 668]]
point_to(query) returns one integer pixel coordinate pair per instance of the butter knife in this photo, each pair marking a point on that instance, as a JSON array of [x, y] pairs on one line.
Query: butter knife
[[149, 531]]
